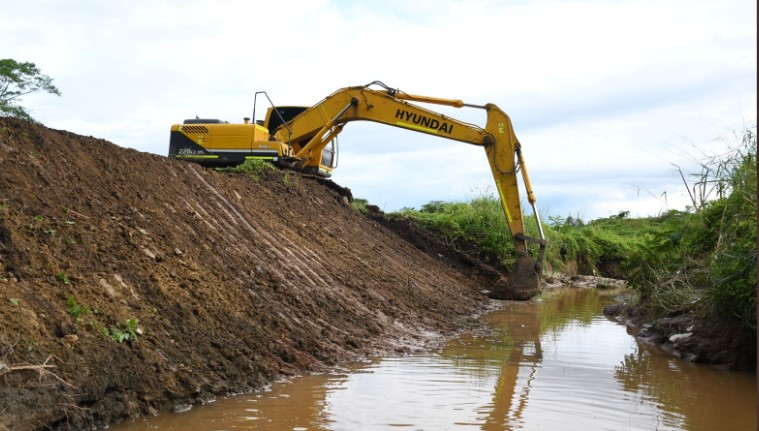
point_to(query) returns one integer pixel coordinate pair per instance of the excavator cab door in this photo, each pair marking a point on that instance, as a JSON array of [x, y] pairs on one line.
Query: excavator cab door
[[329, 155]]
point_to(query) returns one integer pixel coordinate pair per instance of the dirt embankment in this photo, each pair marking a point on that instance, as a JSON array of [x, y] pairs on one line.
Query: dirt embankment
[[231, 282]]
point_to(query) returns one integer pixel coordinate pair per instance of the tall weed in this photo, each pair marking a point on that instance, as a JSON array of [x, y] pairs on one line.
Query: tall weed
[[709, 250]]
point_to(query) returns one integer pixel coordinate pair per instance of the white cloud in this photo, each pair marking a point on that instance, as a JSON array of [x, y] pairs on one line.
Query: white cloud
[[604, 95]]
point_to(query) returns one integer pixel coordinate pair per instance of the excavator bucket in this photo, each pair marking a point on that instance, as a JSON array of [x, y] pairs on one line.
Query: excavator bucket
[[523, 282]]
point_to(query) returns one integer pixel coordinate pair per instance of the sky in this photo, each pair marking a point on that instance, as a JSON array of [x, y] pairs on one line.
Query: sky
[[608, 98]]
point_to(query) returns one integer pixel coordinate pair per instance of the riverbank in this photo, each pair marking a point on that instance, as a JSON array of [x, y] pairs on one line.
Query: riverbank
[[723, 344], [720, 343]]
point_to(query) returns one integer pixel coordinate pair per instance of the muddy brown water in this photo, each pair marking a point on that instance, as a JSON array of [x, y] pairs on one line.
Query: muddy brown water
[[554, 364]]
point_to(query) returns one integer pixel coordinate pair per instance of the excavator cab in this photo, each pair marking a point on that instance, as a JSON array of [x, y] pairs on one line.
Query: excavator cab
[[280, 117]]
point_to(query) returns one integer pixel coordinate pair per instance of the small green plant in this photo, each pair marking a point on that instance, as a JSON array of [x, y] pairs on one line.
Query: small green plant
[[76, 309], [39, 218], [62, 277], [14, 301], [121, 332]]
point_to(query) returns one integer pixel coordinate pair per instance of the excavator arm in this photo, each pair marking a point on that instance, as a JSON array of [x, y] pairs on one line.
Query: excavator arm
[[308, 133]]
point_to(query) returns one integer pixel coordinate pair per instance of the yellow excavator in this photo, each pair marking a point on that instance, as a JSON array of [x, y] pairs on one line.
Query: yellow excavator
[[304, 139]]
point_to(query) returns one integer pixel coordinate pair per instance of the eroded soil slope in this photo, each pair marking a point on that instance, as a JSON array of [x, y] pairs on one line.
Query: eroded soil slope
[[232, 281]]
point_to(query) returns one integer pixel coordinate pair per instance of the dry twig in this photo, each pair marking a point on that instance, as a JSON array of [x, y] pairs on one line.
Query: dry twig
[[42, 369], [79, 214]]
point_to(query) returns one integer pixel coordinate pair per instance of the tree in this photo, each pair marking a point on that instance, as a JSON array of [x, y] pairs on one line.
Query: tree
[[19, 79]]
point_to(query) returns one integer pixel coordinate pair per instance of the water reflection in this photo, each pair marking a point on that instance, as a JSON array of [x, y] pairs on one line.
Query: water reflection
[[694, 397], [519, 328], [555, 364]]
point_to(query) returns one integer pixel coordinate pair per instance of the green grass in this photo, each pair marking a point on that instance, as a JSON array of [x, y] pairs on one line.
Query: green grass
[[254, 168], [360, 205], [479, 227]]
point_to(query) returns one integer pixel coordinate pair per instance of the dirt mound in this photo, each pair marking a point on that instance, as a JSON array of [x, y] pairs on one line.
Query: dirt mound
[[131, 283]]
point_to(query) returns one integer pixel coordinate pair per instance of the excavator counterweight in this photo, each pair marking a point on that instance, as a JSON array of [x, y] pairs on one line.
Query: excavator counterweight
[[304, 138]]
